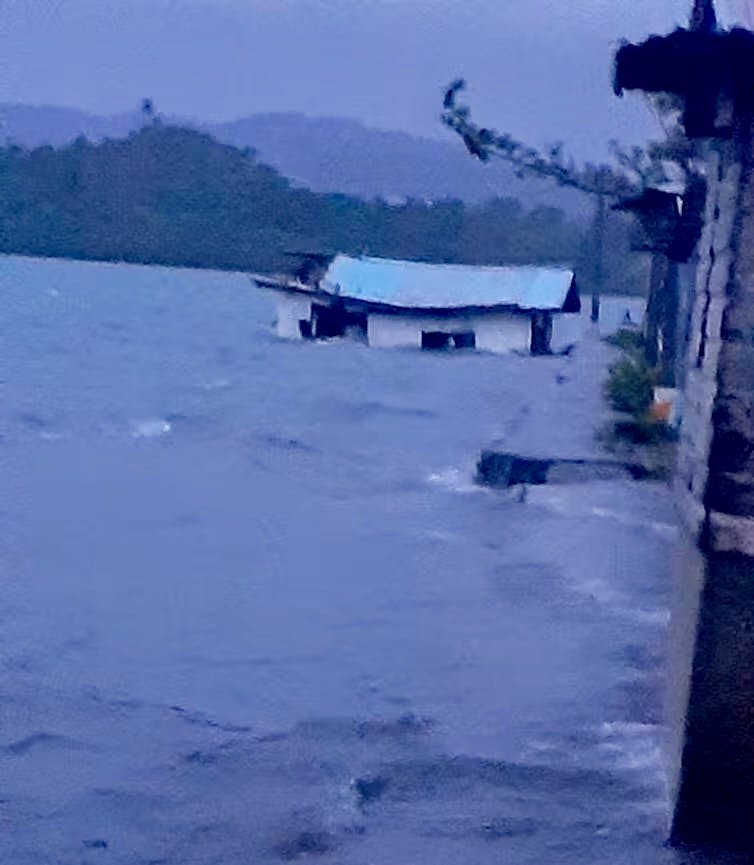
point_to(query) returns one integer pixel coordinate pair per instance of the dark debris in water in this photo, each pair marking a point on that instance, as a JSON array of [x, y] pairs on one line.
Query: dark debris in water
[[200, 720], [286, 443], [508, 828], [369, 789], [96, 844], [407, 724], [306, 843], [201, 758]]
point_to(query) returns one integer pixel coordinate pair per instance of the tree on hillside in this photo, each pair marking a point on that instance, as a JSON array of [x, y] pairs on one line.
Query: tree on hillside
[[177, 196]]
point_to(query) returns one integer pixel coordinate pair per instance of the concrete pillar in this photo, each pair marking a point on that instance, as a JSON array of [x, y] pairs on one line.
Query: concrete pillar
[[712, 630], [661, 319], [600, 224]]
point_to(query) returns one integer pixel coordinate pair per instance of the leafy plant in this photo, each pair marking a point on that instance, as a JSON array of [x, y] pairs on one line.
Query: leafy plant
[[630, 341], [630, 386]]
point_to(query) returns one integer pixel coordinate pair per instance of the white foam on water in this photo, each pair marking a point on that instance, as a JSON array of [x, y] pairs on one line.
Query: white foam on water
[[626, 728], [664, 529], [545, 497], [456, 480], [150, 428], [559, 502], [615, 602], [631, 745], [598, 590], [661, 528]]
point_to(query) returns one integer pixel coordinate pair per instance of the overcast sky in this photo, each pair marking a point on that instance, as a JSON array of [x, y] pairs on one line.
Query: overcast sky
[[537, 68]]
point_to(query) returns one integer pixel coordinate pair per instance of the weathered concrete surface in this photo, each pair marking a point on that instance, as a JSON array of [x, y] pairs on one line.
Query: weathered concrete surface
[[712, 669], [714, 794], [556, 435], [559, 419]]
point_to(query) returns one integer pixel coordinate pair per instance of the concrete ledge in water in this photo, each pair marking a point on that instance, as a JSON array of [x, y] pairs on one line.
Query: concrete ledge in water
[[497, 468]]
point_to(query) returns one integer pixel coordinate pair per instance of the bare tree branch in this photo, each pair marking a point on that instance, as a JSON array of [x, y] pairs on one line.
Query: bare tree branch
[[636, 168]]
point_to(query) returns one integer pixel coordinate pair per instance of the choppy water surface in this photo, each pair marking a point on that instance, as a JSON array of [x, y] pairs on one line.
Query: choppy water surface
[[254, 609]]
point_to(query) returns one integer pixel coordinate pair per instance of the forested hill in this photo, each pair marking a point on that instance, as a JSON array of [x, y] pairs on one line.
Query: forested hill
[[176, 196], [319, 153]]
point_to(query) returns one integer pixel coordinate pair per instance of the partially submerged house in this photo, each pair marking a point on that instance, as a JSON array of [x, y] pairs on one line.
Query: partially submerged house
[[391, 304]]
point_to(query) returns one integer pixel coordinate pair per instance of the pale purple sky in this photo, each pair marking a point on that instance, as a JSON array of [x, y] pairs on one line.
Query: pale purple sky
[[537, 68]]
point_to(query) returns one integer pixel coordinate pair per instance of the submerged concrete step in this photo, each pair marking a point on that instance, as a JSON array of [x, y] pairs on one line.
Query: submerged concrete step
[[497, 468]]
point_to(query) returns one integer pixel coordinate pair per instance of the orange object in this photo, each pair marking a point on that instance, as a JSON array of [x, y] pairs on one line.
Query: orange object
[[660, 411]]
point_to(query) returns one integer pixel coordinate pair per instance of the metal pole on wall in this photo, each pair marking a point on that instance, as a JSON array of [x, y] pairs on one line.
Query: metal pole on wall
[[599, 255]]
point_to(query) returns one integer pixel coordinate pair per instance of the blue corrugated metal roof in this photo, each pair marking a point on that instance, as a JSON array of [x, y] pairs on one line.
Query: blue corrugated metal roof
[[418, 285]]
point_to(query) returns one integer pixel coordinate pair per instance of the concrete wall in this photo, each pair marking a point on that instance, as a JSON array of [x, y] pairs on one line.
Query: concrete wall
[[291, 308], [500, 332], [713, 275], [712, 649], [496, 332], [503, 333]]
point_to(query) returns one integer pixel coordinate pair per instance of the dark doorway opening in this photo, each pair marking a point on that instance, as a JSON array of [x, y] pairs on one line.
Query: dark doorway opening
[[305, 328], [541, 332], [467, 339], [329, 322], [439, 340], [435, 340]]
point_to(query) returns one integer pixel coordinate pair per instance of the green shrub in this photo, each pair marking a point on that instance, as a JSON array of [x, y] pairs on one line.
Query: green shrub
[[630, 386], [628, 340]]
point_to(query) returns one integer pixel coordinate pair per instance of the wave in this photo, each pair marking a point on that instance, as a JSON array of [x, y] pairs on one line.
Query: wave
[[456, 480], [664, 529], [43, 739], [617, 603], [150, 428], [611, 746], [631, 745], [563, 500], [52, 436]]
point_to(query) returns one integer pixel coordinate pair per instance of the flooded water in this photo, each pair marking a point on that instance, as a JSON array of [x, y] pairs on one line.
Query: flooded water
[[255, 610]]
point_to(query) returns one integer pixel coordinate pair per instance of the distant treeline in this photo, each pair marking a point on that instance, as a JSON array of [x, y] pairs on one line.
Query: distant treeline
[[168, 195]]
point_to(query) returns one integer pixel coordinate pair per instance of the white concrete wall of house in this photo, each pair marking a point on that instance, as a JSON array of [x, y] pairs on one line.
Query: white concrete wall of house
[[503, 332], [497, 332], [396, 331], [291, 308]]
